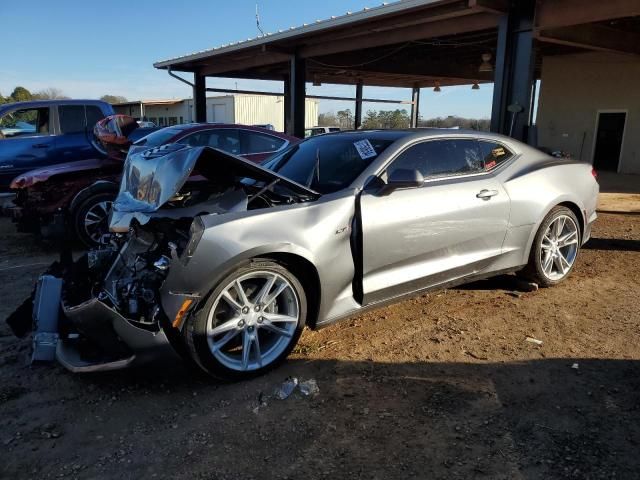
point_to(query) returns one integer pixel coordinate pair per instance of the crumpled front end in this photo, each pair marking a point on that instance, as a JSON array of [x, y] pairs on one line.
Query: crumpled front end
[[104, 311]]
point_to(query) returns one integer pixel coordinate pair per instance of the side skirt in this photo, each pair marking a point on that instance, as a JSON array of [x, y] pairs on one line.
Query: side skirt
[[441, 286]]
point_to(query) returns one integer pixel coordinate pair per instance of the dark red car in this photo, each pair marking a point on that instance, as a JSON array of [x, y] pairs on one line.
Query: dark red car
[[86, 189]]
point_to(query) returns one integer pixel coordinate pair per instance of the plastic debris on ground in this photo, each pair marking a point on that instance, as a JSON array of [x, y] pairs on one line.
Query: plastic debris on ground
[[309, 387], [575, 366], [535, 341], [286, 389]]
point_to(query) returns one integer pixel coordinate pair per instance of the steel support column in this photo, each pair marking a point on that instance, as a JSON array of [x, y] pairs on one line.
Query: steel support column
[[295, 96], [199, 98], [358, 116], [415, 107], [515, 61]]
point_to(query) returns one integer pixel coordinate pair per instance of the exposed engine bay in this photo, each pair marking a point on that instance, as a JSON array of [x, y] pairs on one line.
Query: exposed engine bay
[[110, 299]]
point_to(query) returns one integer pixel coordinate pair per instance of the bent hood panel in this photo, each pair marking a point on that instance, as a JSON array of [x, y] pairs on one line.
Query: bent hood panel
[[153, 176]]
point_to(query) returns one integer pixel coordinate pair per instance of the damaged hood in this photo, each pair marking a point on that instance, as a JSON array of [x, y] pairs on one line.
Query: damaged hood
[[152, 177]]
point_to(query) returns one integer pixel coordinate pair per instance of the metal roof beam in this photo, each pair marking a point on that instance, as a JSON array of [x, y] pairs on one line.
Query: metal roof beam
[[565, 13], [593, 37], [451, 26]]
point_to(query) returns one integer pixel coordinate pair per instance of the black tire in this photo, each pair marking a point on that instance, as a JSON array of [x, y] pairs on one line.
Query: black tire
[[195, 330], [534, 270], [91, 201]]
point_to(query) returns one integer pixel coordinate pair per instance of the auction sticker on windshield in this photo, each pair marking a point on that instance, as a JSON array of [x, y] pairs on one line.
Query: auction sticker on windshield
[[365, 149]]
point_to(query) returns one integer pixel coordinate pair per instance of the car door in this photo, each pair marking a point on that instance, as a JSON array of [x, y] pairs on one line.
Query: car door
[[26, 142], [452, 226], [73, 142], [258, 146]]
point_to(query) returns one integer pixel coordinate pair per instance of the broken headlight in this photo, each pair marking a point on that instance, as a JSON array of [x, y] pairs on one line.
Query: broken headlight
[[196, 230]]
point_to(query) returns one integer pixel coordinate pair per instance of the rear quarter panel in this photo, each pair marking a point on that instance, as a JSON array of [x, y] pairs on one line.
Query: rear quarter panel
[[535, 185]]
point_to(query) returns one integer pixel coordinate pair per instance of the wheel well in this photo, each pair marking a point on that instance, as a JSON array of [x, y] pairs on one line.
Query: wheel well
[[307, 274], [576, 211], [93, 189]]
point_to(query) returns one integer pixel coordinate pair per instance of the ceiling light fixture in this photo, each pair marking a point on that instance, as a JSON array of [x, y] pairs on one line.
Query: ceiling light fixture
[[316, 81], [486, 66], [475, 86], [437, 87]]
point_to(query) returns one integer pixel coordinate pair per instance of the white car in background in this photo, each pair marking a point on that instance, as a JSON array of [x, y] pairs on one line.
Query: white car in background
[[310, 132]]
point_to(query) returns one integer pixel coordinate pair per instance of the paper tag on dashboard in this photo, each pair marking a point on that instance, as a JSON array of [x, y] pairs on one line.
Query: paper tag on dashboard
[[365, 149]]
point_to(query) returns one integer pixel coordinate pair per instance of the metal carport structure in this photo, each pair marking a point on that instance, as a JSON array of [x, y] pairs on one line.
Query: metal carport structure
[[422, 43]]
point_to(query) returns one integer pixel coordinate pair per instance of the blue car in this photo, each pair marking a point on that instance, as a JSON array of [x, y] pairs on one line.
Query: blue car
[[47, 132]]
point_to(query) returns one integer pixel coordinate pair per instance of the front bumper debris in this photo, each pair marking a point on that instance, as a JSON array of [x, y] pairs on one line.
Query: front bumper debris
[[88, 337]]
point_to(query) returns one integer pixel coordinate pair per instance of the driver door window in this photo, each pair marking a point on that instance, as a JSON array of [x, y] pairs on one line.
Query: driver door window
[[441, 158], [28, 122]]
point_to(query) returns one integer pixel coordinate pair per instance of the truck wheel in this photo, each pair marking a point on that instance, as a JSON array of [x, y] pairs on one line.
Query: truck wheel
[[250, 322], [91, 217]]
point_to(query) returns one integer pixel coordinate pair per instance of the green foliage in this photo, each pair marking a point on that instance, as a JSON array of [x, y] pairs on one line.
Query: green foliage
[[376, 119], [113, 99], [386, 119], [482, 124], [20, 94]]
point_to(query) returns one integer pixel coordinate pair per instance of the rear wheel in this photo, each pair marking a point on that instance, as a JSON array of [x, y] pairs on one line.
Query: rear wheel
[[91, 217], [555, 248], [250, 323]]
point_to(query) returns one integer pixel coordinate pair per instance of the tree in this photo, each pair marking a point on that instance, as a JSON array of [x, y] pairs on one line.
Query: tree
[[345, 119], [327, 120], [20, 94], [51, 93], [113, 99]]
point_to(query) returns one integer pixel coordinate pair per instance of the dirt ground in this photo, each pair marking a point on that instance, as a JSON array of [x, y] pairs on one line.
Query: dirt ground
[[442, 386]]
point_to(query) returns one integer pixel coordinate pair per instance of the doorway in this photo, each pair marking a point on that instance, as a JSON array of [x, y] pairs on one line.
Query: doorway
[[608, 140]]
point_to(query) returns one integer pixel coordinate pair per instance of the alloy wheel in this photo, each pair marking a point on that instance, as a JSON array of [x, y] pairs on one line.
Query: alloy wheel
[[96, 220], [559, 247], [253, 320]]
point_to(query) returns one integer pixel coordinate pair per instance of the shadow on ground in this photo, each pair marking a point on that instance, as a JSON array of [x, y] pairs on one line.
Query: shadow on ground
[[528, 420]]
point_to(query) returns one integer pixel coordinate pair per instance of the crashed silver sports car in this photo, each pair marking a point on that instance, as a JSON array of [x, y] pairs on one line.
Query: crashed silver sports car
[[227, 261]]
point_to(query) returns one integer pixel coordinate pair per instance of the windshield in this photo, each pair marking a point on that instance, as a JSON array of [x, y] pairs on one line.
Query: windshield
[[159, 137], [328, 163]]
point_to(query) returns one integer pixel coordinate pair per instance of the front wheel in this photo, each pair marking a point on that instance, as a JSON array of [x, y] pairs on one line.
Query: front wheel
[[555, 248], [91, 218], [250, 323]]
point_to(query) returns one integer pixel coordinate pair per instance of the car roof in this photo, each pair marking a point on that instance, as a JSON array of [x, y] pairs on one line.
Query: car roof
[[45, 103], [195, 127], [424, 133]]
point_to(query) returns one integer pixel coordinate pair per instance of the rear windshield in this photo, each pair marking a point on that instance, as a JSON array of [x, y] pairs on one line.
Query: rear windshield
[[328, 163], [159, 137]]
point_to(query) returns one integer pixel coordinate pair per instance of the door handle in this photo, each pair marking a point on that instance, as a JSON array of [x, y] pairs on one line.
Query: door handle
[[487, 194], [41, 145]]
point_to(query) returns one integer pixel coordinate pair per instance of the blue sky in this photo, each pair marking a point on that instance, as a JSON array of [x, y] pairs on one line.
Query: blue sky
[[88, 51]]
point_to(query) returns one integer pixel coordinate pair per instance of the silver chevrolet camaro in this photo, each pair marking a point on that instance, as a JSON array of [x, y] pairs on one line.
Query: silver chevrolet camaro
[[227, 261]]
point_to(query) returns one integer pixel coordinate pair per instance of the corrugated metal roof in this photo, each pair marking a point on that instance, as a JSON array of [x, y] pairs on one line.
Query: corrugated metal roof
[[319, 25]]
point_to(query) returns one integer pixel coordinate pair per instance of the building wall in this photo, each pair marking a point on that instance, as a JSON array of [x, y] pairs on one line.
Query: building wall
[[574, 88], [243, 109]]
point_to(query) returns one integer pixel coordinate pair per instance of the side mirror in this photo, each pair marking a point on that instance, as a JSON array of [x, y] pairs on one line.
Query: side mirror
[[402, 178]]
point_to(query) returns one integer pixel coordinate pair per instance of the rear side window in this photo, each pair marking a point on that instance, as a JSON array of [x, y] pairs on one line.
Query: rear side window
[[72, 118], [493, 154], [254, 142], [440, 158], [94, 115]]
